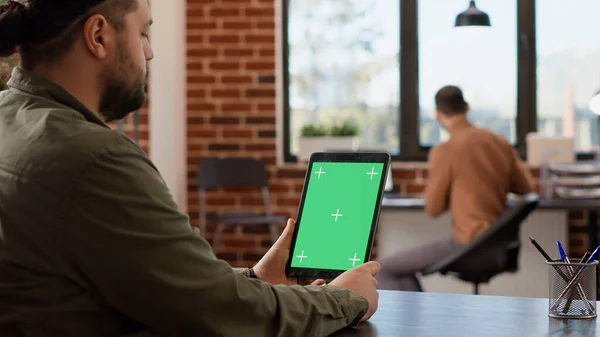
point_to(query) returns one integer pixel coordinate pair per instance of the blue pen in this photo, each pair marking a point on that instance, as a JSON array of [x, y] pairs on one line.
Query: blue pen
[[561, 251], [580, 292], [594, 255]]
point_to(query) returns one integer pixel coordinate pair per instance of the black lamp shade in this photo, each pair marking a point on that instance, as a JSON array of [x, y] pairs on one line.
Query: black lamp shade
[[472, 17]]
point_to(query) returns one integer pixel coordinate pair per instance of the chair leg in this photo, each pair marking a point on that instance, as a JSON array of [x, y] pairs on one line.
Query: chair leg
[[274, 229], [476, 289], [217, 236]]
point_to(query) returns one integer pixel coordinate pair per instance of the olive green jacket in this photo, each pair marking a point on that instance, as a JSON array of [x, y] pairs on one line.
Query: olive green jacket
[[93, 244]]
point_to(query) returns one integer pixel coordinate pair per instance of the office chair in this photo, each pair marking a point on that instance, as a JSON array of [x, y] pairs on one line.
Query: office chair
[[238, 172], [493, 252]]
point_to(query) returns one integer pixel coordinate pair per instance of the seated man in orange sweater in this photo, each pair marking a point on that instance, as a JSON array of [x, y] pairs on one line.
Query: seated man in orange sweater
[[470, 175]]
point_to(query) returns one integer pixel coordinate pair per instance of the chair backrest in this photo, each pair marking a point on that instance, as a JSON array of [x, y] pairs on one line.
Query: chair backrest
[[505, 230], [223, 172], [230, 172]]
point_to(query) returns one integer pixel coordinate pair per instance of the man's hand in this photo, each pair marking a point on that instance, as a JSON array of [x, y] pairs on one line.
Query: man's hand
[[361, 280], [271, 268]]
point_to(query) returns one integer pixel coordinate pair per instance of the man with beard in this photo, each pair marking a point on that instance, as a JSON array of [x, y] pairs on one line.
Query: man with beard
[[91, 241]]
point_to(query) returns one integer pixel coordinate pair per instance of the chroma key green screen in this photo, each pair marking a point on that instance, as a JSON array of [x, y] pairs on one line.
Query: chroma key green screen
[[336, 219]]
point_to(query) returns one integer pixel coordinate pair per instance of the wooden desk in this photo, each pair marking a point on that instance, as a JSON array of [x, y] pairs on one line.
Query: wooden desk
[[426, 314]]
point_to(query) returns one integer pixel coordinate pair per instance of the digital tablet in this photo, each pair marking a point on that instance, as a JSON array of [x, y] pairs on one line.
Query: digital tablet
[[338, 213]]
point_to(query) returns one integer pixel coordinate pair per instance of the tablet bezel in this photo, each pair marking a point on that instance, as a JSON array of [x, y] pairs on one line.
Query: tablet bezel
[[337, 157]]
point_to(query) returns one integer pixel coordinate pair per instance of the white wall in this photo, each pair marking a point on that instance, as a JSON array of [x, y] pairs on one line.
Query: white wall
[[168, 148]]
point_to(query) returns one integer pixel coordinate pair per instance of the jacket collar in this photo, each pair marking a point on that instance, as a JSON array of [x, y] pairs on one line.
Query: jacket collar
[[39, 86]]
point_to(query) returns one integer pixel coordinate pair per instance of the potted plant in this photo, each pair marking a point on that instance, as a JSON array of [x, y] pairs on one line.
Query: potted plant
[[318, 138]]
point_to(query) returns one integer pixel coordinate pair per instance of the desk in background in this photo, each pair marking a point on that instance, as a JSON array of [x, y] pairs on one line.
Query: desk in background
[[403, 224], [425, 314]]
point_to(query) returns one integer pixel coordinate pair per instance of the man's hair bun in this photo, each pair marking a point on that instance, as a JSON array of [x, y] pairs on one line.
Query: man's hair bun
[[12, 15]]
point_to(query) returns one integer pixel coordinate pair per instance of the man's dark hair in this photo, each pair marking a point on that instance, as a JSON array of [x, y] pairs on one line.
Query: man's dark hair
[[449, 100], [42, 30]]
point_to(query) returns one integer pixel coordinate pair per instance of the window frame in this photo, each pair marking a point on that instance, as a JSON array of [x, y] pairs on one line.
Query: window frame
[[408, 110]]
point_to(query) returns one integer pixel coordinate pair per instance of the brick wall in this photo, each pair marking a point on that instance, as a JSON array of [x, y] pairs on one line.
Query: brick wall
[[231, 112]]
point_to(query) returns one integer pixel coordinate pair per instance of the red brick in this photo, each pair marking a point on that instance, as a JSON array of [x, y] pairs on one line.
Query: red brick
[[267, 12], [236, 79], [195, 12], [267, 106], [224, 120], [287, 201], [201, 134], [223, 38], [236, 52], [260, 120], [291, 173], [203, 106], [220, 201], [252, 201], [267, 134], [266, 52], [221, 12], [223, 147], [243, 107], [265, 93], [278, 188], [404, 174], [225, 93], [240, 242], [414, 189], [237, 25], [260, 147], [196, 93], [203, 52], [195, 66], [216, 65], [199, 147], [265, 25], [195, 39], [201, 25], [260, 65], [208, 79], [256, 38], [237, 133]]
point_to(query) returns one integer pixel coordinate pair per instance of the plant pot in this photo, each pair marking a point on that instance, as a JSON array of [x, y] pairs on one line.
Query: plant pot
[[309, 145]]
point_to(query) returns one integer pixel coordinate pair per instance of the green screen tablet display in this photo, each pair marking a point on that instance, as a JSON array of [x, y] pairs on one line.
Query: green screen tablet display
[[337, 215]]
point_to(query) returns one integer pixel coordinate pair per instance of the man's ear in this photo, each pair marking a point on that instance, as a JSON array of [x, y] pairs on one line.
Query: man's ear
[[97, 36]]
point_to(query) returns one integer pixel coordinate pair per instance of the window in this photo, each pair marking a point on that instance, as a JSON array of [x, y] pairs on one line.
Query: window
[[380, 63], [481, 61], [343, 65], [568, 69]]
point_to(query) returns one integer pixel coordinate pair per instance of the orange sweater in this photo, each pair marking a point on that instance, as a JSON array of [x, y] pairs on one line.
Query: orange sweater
[[471, 175]]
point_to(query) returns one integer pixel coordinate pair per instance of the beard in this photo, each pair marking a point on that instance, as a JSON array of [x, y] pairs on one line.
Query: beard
[[122, 96]]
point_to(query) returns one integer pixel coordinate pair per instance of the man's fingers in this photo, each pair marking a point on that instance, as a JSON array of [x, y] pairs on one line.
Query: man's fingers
[[285, 240], [318, 282], [372, 266]]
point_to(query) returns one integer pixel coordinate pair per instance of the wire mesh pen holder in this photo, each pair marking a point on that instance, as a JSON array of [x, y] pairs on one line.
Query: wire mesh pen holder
[[573, 289]]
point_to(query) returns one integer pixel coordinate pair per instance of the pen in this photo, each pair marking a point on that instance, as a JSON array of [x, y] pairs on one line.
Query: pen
[[540, 249], [562, 253], [592, 258], [580, 291]]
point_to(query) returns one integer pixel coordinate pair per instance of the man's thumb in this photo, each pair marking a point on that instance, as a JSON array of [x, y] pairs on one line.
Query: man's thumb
[[285, 239], [372, 267]]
